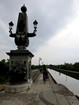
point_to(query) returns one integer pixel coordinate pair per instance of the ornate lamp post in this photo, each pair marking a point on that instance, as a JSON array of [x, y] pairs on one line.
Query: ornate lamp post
[[35, 26], [10, 27], [20, 59], [22, 35]]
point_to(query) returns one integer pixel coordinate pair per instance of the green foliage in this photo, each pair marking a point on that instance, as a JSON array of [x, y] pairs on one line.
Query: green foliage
[[34, 67], [76, 66], [66, 66], [4, 70], [2, 79]]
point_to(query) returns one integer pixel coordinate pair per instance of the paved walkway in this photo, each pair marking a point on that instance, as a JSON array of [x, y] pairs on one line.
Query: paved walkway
[[41, 94]]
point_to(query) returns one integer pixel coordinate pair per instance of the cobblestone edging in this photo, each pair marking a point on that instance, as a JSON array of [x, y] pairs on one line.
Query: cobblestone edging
[[35, 74]]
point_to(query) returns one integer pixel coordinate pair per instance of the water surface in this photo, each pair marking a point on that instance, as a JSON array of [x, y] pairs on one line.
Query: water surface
[[71, 83]]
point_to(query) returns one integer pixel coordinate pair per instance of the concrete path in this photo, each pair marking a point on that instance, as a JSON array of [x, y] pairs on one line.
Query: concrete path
[[41, 94]]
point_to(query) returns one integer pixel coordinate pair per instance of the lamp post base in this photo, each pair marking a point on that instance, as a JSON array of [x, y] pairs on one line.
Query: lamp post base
[[18, 88]]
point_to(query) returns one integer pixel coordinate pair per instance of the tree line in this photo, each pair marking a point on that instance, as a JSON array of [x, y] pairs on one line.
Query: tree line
[[66, 66]]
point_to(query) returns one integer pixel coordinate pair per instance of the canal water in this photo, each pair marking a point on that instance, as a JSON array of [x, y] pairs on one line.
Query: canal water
[[71, 83]]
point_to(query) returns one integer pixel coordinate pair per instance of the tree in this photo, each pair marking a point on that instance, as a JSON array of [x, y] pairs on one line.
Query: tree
[[4, 70]]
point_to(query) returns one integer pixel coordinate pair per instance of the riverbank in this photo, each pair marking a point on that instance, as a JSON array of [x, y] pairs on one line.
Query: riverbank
[[48, 93]]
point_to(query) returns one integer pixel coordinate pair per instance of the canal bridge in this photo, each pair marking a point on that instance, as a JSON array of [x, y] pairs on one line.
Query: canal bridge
[[40, 93]]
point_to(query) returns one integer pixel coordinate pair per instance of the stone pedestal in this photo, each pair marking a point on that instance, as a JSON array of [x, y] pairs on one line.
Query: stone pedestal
[[23, 58], [18, 88], [20, 71]]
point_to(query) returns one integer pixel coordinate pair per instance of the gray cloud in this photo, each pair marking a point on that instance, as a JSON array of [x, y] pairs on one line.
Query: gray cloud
[[52, 15]]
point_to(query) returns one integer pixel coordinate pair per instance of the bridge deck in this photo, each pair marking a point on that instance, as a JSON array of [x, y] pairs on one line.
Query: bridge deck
[[41, 94]]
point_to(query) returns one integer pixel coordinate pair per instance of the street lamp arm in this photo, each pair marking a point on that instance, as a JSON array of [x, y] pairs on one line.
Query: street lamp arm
[[12, 35], [31, 34]]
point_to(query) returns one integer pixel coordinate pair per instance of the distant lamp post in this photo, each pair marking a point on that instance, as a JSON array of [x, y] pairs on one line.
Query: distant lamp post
[[35, 26], [10, 27], [40, 59]]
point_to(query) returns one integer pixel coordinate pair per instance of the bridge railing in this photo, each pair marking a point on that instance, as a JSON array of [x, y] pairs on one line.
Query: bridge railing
[[35, 74]]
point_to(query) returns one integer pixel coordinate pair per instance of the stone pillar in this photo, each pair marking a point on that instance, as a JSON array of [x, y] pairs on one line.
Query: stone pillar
[[20, 63]]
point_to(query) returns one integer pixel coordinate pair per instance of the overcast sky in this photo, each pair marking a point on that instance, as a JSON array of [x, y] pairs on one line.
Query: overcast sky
[[57, 39]]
